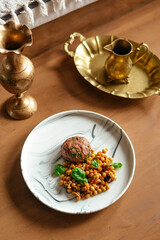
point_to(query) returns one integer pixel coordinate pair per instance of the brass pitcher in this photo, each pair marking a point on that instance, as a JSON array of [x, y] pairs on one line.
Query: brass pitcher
[[119, 64]]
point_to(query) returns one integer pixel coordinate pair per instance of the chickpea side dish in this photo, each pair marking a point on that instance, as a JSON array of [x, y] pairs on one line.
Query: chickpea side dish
[[87, 176]]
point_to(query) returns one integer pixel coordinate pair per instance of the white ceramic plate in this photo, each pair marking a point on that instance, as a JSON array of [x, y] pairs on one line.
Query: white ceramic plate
[[41, 151]]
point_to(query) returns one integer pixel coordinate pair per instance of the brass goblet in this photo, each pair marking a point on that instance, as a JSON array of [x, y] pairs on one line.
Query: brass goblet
[[16, 70]]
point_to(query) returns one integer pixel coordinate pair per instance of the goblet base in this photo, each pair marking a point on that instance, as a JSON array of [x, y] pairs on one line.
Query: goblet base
[[21, 107]]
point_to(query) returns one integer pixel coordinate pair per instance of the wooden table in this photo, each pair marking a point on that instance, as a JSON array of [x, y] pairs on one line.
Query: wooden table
[[58, 87]]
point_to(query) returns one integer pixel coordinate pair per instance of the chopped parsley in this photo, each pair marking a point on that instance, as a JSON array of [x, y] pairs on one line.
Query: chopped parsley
[[74, 139], [74, 154], [80, 155], [88, 155]]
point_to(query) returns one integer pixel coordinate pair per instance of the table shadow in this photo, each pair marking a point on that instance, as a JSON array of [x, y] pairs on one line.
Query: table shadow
[[3, 112], [31, 208]]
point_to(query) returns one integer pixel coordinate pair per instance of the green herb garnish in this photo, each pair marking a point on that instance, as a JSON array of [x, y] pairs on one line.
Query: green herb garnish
[[116, 165], [74, 154], [95, 163], [80, 155], [79, 175], [88, 155], [71, 148], [85, 180], [74, 139], [59, 169]]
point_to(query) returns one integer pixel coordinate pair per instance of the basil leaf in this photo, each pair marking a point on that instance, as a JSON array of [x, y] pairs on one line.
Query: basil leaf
[[116, 165], [85, 180], [79, 175], [95, 163], [59, 169], [78, 172]]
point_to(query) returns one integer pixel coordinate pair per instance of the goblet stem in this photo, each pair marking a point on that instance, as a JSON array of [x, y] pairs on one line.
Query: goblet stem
[[21, 106]]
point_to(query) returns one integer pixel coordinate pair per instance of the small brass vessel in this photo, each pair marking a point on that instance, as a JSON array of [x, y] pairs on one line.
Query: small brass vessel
[[119, 64], [16, 70]]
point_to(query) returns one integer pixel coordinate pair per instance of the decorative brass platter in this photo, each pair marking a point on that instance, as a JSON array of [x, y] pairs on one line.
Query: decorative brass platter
[[89, 58]]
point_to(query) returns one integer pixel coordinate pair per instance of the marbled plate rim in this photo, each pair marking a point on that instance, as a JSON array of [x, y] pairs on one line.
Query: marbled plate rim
[[54, 116]]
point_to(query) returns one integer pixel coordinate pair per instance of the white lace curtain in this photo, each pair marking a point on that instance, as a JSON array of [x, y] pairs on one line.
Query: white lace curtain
[[18, 10]]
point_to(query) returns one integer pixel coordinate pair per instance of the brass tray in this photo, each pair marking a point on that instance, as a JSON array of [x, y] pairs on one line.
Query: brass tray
[[89, 58]]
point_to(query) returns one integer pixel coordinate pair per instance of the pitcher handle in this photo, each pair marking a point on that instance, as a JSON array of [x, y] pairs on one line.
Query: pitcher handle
[[71, 40], [139, 49]]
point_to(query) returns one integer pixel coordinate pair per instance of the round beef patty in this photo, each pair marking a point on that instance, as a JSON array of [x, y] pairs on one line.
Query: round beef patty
[[76, 149]]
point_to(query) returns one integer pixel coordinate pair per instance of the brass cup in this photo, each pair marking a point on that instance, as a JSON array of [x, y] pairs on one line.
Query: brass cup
[[16, 70]]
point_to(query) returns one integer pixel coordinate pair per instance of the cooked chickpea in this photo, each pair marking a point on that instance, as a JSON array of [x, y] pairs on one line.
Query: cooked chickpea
[[91, 174], [103, 189], [72, 165], [87, 195], [62, 176], [84, 188], [99, 169], [78, 198], [104, 174], [61, 182], [92, 188], [104, 150], [107, 186], [95, 186], [95, 192], [96, 176], [99, 190], [69, 172], [103, 182]]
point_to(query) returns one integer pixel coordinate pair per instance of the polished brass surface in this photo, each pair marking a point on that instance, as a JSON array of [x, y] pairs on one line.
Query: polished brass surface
[[21, 107], [119, 64], [71, 40], [143, 79], [16, 70]]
